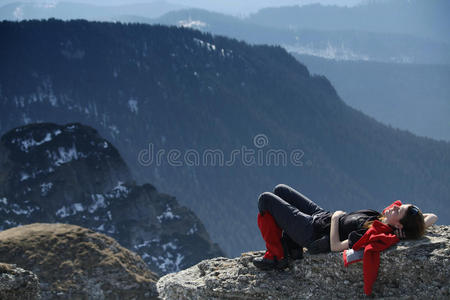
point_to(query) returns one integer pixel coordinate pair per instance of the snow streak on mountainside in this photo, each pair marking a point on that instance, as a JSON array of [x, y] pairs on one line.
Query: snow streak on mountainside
[[69, 174]]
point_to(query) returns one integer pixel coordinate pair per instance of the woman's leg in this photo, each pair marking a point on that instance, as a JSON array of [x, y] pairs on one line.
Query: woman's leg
[[297, 199], [298, 225]]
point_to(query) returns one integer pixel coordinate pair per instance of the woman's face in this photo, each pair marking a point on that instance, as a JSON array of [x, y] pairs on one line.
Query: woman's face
[[395, 214]]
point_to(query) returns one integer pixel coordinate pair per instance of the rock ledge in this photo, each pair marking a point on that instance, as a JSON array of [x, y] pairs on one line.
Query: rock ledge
[[409, 270]]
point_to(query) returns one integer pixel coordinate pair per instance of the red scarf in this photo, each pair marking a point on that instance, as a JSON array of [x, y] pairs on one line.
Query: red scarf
[[376, 239]]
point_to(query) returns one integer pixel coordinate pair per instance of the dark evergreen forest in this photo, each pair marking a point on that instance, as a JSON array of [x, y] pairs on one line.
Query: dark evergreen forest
[[177, 88]]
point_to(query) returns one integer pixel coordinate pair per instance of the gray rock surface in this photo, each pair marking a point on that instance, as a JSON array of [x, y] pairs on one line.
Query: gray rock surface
[[411, 269], [17, 283]]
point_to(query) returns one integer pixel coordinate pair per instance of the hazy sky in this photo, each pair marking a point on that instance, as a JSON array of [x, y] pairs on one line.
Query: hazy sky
[[247, 6], [235, 7]]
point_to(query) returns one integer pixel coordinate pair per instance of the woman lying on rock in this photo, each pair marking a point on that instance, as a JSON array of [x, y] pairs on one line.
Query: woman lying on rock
[[288, 221]]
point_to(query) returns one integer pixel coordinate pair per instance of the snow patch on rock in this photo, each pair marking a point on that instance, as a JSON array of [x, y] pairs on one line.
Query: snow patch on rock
[[71, 210], [45, 188], [133, 105], [98, 201], [167, 215]]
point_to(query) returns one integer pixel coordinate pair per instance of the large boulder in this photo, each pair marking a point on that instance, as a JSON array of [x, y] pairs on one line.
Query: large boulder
[[17, 283], [416, 269], [77, 263]]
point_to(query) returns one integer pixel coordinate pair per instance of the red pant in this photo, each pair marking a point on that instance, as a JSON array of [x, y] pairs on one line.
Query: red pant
[[271, 234]]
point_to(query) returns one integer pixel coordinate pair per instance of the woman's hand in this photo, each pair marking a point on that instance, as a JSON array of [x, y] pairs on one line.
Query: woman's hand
[[400, 233], [429, 219]]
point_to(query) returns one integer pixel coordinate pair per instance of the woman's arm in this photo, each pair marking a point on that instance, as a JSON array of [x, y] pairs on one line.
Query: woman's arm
[[429, 219], [335, 242]]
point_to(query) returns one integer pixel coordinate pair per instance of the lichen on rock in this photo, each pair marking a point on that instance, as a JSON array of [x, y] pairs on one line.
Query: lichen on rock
[[412, 269]]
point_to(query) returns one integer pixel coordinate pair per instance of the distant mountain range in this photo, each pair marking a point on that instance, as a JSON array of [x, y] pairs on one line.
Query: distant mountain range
[[411, 32], [233, 7], [75, 10], [413, 96], [398, 79], [422, 18], [68, 174], [332, 43], [202, 102]]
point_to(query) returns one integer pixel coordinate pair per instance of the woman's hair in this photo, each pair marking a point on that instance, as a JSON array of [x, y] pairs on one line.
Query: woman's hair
[[413, 223], [368, 224]]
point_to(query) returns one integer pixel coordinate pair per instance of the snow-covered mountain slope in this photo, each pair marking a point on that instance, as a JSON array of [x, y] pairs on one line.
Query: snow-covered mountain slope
[[69, 174], [157, 89]]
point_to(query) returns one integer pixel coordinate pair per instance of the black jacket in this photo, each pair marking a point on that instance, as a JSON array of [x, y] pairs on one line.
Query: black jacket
[[350, 227]]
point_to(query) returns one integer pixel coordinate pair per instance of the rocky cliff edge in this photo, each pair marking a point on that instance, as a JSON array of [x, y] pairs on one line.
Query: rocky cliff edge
[[412, 269]]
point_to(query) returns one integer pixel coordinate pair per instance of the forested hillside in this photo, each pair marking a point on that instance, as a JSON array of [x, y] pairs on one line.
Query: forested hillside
[[178, 89]]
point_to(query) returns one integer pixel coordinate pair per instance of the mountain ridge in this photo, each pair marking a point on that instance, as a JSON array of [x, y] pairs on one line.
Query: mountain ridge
[[180, 89], [70, 174], [415, 17]]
